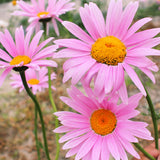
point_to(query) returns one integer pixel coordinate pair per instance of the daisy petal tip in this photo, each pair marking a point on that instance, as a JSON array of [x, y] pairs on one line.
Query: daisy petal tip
[[56, 114], [144, 93], [67, 155], [65, 23]]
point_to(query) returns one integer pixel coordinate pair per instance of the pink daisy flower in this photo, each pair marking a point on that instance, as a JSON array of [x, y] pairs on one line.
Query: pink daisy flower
[[37, 80], [98, 130], [22, 53], [109, 48], [39, 13]]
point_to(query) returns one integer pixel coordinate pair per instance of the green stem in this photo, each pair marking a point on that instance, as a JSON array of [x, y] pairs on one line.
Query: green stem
[[45, 29], [35, 132], [33, 97], [153, 115], [144, 152], [51, 98], [55, 110]]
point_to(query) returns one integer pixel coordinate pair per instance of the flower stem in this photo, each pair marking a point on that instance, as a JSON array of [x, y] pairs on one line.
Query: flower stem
[[138, 146], [35, 132], [33, 97], [51, 98], [55, 110], [153, 115]]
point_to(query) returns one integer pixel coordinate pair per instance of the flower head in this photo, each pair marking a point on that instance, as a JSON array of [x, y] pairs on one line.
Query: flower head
[[14, 2], [109, 49], [24, 53], [98, 130], [37, 12], [37, 80]]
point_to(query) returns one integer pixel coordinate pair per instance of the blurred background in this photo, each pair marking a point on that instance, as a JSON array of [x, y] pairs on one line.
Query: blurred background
[[17, 140]]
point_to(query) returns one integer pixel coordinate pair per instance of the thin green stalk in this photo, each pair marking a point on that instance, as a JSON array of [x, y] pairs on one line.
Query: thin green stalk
[[153, 115], [51, 97], [138, 146], [33, 97], [45, 29], [36, 135], [55, 110]]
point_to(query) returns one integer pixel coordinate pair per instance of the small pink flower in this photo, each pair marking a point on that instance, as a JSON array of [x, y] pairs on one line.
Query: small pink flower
[[36, 80], [98, 130], [37, 12], [108, 49], [22, 53]]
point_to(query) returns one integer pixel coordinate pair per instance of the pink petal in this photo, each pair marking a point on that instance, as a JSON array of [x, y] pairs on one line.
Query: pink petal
[[111, 10], [149, 43], [46, 52], [34, 43], [6, 44], [4, 74], [19, 38], [141, 36], [65, 53], [100, 79], [138, 52], [105, 154], [73, 151], [129, 148], [88, 22], [73, 134], [27, 40], [76, 106], [89, 75], [132, 74], [73, 44], [78, 32], [148, 73], [125, 133], [112, 146], [86, 146], [109, 80], [43, 44], [5, 56], [136, 26], [139, 62], [76, 141], [81, 70], [96, 150], [43, 63], [127, 18], [98, 19], [123, 93], [116, 14], [62, 129], [55, 26]]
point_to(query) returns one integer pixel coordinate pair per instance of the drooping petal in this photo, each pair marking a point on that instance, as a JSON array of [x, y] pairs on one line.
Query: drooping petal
[[132, 74]]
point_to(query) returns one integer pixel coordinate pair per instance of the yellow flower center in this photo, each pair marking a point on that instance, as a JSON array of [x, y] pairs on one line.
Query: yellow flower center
[[41, 14], [109, 50], [33, 81], [103, 121], [18, 59], [14, 2]]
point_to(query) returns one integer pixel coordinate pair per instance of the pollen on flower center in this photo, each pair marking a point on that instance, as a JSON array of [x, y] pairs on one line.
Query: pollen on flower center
[[18, 59], [103, 121], [14, 2], [33, 81], [109, 50], [41, 14]]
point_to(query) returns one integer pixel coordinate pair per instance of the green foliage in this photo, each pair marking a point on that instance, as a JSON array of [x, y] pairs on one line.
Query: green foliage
[[148, 12], [99, 3], [4, 1]]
